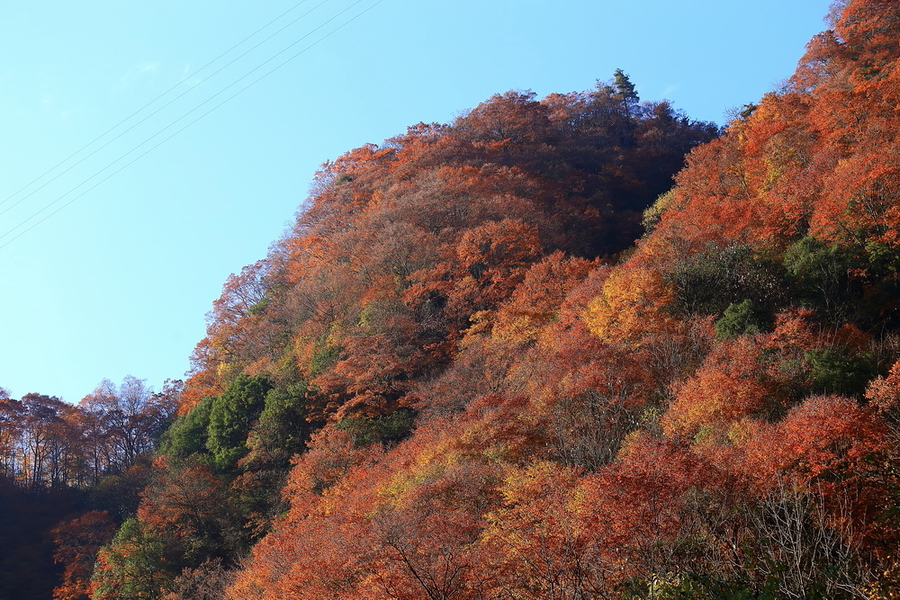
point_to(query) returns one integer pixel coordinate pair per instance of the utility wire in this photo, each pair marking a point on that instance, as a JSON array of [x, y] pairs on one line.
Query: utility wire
[[181, 118], [163, 107], [163, 141]]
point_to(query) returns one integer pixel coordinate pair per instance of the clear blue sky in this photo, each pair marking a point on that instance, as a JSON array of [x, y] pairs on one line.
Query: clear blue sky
[[119, 280]]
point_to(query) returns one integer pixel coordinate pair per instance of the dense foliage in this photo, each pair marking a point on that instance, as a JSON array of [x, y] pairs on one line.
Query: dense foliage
[[459, 377], [68, 475]]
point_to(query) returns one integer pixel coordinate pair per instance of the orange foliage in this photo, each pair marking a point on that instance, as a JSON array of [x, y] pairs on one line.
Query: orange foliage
[[201, 383], [77, 542], [535, 302], [574, 431], [726, 388], [884, 392], [320, 548]]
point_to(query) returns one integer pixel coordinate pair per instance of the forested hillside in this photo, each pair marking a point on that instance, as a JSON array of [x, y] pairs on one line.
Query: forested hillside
[[395, 274], [504, 358], [68, 475]]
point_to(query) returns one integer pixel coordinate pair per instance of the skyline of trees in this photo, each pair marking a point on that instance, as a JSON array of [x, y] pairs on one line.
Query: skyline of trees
[[45, 442]]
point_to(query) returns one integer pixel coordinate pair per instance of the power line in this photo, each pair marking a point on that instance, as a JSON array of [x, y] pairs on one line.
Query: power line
[[173, 123], [150, 103], [163, 141]]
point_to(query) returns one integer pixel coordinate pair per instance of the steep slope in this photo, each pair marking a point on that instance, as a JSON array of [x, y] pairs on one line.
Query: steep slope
[[485, 406], [403, 252]]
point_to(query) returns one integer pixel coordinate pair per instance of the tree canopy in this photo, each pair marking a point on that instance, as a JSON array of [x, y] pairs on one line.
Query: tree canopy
[[573, 347]]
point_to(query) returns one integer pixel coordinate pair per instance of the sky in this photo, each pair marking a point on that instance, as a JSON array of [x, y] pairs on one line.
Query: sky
[[150, 149]]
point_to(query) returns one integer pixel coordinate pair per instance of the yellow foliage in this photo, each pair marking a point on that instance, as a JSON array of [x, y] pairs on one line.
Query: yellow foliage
[[886, 588], [653, 214], [630, 306]]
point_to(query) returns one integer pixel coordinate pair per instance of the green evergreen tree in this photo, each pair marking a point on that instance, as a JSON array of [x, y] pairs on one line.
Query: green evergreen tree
[[133, 565], [232, 415]]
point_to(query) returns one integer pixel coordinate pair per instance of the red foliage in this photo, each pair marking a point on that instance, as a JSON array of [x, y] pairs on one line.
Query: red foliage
[[632, 510], [77, 542], [823, 434]]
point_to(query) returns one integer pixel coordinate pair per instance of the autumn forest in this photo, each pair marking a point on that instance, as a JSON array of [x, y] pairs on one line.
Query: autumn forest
[[562, 348]]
